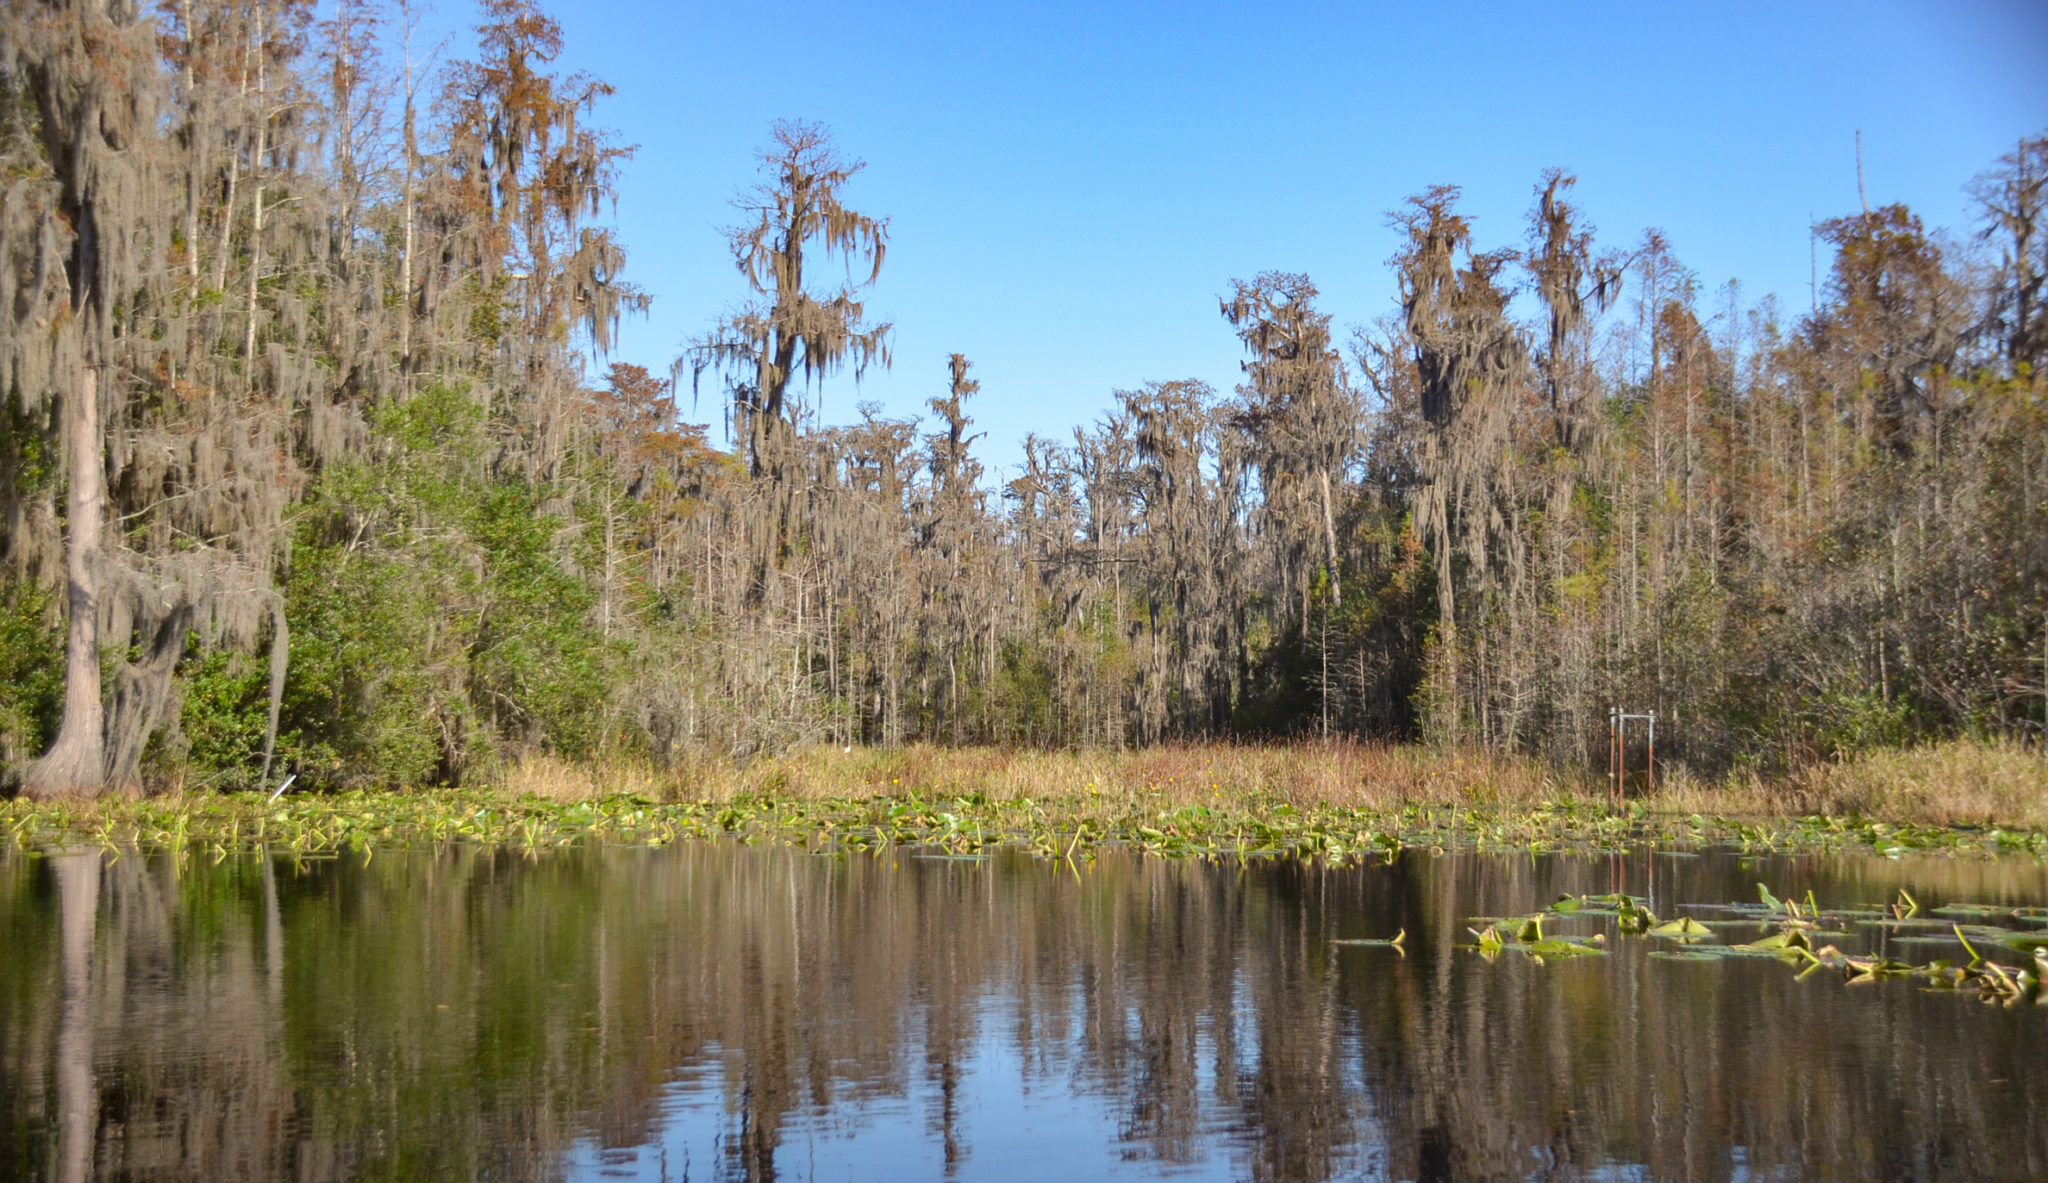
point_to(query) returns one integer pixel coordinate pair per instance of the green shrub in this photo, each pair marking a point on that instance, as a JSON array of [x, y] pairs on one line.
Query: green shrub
[[31, 676]]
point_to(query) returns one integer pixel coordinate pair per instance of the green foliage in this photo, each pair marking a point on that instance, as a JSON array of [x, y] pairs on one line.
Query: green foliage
[[27, 444], [1024, 692], [433, 620], [31, 633], [31, 675], [1857, 720], [223, 711]]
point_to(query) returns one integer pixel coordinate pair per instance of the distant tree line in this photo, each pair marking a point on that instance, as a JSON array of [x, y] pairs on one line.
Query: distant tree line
[[304, 466]]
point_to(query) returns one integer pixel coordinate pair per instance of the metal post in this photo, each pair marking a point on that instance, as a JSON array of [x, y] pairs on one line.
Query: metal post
[[1653, 753], [1617, 752]]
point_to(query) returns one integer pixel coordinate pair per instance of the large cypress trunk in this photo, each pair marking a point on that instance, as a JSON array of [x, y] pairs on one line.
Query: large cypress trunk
[[75, 764]]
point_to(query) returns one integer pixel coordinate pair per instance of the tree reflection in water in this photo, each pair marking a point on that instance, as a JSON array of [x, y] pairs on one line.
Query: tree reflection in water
[[750, 1012]]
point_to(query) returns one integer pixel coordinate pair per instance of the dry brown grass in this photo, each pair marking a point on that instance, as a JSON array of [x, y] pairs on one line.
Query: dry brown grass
[[1346, 774], [1956, 782], [561, 780], [1960, 782]]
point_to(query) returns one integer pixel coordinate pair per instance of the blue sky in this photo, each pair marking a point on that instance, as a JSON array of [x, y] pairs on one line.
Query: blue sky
[[1071, 186]]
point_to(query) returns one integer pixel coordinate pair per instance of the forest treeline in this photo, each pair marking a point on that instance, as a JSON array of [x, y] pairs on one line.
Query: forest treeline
[[314, 458]]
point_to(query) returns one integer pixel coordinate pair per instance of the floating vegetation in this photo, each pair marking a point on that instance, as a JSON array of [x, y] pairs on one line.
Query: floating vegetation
[[1397, 941], [1695, 953], [1246, 826], [1798, 940], [1525, 935]]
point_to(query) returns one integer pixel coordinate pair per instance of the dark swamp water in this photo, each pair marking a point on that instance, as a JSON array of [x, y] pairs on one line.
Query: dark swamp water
[[714, 1011]]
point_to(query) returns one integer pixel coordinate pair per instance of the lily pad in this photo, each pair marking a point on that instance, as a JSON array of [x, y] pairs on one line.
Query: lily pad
[[1786, 953], [1697, 953], [1616, 899], [1966, 910], [1793, 939], [1558, 947]]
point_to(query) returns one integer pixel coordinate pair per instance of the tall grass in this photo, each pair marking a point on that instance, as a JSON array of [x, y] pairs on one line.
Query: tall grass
[[1960, 782]]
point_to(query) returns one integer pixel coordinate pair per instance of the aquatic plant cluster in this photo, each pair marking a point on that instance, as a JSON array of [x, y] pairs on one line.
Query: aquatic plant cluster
[[1252, 826], [1801, 934]]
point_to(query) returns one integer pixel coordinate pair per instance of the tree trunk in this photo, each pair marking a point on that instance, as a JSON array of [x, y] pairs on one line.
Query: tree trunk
[[1449, 708], [280, 666], [74, 764], [1330, 544]]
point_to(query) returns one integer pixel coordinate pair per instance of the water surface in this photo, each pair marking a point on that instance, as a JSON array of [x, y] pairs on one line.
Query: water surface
[[721, 1011]]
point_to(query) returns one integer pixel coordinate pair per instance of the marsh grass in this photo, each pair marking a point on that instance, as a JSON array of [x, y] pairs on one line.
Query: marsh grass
[[1955, 783], [1952, 783], [552, 778], [1331, 802], [1341, 774]]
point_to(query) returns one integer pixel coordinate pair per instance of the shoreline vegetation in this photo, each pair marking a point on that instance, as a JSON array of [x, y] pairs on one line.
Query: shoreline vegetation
[[319, 455], [1335, 801]]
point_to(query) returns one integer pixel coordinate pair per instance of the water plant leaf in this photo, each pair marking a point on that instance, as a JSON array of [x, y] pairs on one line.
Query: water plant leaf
[[1789, 939], [1559, 947], [1615, 899], [1995, 980], [1870, 968], [1638, 919], [1489, 939], [1900, 923], [1972, 910], [1693, 953], [1684, 926], [1393, 942]]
